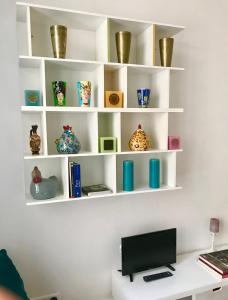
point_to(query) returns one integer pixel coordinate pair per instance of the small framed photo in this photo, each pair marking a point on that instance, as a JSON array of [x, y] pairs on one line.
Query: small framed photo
[[32, 98], [174, 142], [108, 144]]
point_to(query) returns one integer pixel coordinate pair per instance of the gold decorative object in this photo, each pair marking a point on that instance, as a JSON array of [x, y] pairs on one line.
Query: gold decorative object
[[166, 51], [139, 140], [123, 44], [35, 140], [113, 99], [59, 40]]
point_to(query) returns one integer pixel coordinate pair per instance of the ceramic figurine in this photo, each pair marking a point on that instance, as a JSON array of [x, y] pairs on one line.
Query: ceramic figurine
[[43, 188], [68, 143], [59, 93], [139, 140], [35, 140], [84, 93]]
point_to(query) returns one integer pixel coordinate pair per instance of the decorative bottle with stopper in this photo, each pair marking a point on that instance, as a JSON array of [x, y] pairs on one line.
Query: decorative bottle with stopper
[[139, 141], [43, 188], [35, 140]]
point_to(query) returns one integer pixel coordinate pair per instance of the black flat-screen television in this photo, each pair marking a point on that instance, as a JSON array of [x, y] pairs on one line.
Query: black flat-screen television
[[148, 251]]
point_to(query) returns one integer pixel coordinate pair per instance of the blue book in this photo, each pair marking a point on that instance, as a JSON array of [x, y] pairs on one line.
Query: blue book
[[76, 180]]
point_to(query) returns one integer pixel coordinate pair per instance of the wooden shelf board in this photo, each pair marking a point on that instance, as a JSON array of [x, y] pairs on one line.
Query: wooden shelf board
[[32, 61], [27, 157], [99, 109], [148, 190], [60, 199]]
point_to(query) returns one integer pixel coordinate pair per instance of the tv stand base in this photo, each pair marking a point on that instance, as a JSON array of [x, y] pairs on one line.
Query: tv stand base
[[171, 268]]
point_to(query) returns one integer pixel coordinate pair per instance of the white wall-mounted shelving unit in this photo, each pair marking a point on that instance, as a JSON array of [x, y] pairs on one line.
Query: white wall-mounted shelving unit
[[91, 55]]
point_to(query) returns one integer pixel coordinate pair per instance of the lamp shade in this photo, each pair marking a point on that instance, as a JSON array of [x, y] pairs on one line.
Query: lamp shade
[[214, 225]]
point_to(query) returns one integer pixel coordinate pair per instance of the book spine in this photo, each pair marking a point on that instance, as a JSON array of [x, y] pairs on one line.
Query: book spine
[[76, 180], [70, 179]]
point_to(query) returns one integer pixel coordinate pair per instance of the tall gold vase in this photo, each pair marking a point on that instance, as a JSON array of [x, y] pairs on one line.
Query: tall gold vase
[[123, 44], [166, 51], [59, 40]]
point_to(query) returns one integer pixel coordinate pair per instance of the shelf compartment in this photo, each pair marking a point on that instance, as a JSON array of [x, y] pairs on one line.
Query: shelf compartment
[[86, 33], [47, 167], [155, 79], [22, 18], [141, 51], [109, 126], [29, 119], [115, 79], [164, 31], [31, 77], [85, 126], [141, 170], [177, 90], [105, 170], [154, 125], [71, 72]]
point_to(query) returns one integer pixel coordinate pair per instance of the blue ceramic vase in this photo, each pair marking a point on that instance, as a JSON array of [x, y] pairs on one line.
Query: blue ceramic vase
[[68, 143], [143, 97]]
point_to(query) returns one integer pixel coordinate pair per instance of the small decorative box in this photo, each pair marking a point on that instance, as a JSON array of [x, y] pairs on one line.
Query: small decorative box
[[108, 144], [113, 99], [173, 142], [32, 98]]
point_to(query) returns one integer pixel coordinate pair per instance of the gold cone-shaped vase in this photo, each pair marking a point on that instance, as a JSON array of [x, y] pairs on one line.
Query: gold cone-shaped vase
[[59, 40], [166, 51], [139, 141]]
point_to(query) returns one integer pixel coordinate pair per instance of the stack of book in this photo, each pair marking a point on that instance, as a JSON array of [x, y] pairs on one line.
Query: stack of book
[[96, 190], [216, 263], [74, 180]]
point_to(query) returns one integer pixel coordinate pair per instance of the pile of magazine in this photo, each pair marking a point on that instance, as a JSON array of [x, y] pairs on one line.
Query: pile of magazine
[[216, 263]]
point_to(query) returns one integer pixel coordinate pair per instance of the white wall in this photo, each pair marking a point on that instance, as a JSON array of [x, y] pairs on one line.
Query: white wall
[[73, 247]]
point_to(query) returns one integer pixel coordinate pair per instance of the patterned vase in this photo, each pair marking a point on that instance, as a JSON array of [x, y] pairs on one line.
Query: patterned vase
[[139, 140], [68, 143]]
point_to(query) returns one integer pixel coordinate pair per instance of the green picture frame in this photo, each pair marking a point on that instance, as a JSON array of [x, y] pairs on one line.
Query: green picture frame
[[107, 144]]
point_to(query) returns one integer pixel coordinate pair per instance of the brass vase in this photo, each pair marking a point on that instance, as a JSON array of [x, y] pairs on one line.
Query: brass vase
[[35, 140], [166, 51], [59, 40], [123, 44]]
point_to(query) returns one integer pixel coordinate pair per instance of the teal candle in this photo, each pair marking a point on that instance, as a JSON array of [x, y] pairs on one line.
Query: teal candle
[[154, 174], [128, 175]]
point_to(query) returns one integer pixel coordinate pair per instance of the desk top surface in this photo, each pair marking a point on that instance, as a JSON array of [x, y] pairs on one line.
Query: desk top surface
[[189, 278]]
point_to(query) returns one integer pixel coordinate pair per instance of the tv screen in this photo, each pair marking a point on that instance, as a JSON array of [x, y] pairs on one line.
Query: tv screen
[[148, 251]]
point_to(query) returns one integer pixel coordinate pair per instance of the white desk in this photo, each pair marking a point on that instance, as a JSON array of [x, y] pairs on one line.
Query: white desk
[[189, 279]]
